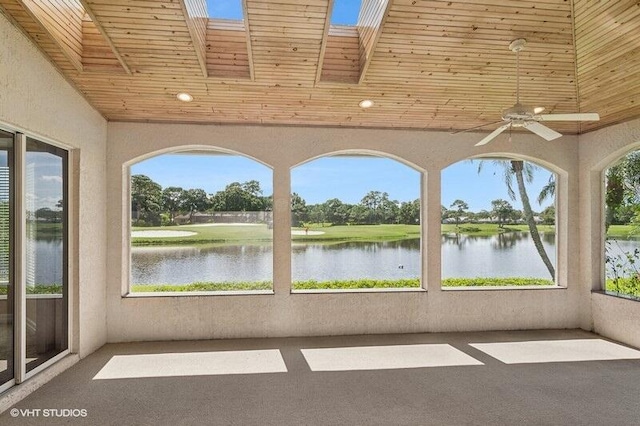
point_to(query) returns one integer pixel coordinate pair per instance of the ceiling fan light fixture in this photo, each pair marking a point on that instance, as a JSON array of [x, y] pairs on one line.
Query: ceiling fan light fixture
[[184, 97], [527, 117], [517, 44], [366, 103]]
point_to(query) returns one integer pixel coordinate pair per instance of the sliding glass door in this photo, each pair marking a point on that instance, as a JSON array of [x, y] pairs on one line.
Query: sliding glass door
[[34, 285], [6, 259], [47, 293]]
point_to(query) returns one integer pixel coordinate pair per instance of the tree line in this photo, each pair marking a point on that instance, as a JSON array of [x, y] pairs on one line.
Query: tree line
[[373, 209], [502, 212], [152, 205], [622, 195]]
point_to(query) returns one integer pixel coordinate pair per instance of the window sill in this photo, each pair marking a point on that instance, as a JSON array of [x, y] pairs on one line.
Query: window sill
[[504, 287], [360, 290], [617, 295], [137, 295], [36, 296]]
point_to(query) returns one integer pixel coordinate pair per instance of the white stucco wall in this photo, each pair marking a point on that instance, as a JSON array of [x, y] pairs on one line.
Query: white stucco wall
[[608, 315], [285, 314], [36, 100]]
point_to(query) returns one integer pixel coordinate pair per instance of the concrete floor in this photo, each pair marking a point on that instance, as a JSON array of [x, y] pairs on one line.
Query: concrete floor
[[459, 384]]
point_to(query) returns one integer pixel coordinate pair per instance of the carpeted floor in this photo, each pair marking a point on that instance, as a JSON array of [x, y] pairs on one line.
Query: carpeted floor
[[414, 379]]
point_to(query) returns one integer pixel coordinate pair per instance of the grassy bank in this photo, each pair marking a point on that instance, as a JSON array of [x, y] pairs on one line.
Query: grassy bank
[[204, 286], [355, 284], [39, 289], [341, 284], [623, 231], [490, 229], [626, 286], [359, 233], [495, 282]]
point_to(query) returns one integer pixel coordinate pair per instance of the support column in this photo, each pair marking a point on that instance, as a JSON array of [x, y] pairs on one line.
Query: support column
[[281, 231]]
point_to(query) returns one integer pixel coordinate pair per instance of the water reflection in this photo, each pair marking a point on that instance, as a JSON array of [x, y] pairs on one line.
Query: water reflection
[[501, 241], [503, 255], [184, 265], [508, 240], [365, 246], [356, 260]]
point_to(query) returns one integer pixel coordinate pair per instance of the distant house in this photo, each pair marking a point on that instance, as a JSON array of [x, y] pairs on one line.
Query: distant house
[[225, 217], [197, 217]]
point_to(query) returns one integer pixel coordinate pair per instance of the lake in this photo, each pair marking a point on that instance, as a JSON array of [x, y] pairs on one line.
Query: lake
[[503, 255], [463, 256]]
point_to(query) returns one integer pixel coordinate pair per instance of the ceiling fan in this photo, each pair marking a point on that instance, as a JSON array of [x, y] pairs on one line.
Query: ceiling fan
[[526, 116]]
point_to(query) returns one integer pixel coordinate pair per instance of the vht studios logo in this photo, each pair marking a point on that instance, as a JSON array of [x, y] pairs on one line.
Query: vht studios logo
[[48, 412]]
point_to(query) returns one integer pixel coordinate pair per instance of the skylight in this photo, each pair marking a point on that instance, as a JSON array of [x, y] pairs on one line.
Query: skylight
[[345, 12], [225, 9]]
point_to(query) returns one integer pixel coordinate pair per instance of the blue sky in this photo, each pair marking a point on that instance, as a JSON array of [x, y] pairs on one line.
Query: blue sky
[[44, 180], [462, 181], [209, 172], [344, 177], [226, 9], [350, 178], [345, 12]]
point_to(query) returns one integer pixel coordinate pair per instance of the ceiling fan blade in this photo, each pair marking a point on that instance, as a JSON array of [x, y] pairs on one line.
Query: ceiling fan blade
[[493, 134], [542, 131], [585, 116], [476, 127]]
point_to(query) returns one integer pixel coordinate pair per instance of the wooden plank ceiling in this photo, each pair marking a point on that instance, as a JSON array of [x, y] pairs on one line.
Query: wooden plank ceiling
[[426, 64]]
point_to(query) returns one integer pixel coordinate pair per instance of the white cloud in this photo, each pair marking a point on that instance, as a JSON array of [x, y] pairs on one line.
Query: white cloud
[[52, 178]]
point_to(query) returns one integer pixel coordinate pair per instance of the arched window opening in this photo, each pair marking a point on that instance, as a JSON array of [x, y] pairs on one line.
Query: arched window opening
[[356, 224], [201, 221], [498, 224], [622, 227]]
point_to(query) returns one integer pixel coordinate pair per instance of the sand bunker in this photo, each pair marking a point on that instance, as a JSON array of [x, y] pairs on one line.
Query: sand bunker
[[161, 234]]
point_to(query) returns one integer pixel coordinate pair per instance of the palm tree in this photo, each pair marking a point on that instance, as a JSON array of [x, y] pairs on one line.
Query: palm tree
[[549, 190], [523, 173]]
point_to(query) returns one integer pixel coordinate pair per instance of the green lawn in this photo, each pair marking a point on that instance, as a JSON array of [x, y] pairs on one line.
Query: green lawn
[[207, 234], [44, 230], [260, 233], [623, 231], [359, 233], [38, 289]]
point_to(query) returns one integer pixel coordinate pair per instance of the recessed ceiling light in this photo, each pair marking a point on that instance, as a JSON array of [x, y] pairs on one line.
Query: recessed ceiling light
[[184, 97], [538, 110], [366, 103]]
